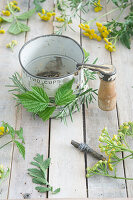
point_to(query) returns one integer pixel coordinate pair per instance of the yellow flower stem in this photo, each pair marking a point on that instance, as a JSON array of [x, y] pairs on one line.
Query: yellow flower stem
[[108, 13], [6, 144], [115, 177]]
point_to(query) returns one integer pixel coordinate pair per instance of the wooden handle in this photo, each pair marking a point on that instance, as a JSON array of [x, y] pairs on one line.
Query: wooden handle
[[107, 95]]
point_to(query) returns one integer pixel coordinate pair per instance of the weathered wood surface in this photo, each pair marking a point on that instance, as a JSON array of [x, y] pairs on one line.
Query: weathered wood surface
[[96, 120], [53, 138]]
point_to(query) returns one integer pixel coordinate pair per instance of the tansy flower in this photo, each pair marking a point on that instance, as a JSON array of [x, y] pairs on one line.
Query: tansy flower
[[15, 2], [59, 19], [12, 44], [6, 12], [102, 29], [2, 31], [46, 16], [98, 6], [16, 8], [89, 32], [2, 130]]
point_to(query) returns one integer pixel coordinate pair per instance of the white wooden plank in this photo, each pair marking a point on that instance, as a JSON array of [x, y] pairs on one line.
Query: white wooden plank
[[7, 105], [124, 92], [96, 120], [67, 170], [36, 132], [122, 58]]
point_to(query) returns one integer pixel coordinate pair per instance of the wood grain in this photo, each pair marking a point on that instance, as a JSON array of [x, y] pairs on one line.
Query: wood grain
[[7, 105], [67, 170], [36, 132], [96, 120]]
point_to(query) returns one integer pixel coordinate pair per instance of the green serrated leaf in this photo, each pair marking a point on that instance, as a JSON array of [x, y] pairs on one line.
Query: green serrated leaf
[[26, 15], [64, 94], [46, 163], [39, 158], [17, 28], [34, 101], [40, 181], [45, 115], [36, 173], [125, 39], [35, 164], [56, 191], [21, 148], [42, 189], [20, 134]]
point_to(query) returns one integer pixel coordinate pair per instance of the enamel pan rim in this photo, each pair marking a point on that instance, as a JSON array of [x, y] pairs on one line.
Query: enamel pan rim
[[53, 35]]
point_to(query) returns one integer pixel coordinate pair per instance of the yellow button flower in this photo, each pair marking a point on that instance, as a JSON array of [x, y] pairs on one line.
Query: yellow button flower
[[6, 12], [15, 2], [2, 31], [59, 19], [49, 14], [99, 38], [2, 130], [53, 13]]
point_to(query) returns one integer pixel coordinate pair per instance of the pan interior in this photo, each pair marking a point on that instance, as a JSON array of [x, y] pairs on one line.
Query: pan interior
[[52, 66]]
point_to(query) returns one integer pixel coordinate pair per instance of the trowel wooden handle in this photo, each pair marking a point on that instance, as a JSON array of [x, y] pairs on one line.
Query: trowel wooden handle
[[107, 95]]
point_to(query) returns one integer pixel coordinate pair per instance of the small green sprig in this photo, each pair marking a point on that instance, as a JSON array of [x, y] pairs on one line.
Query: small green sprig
[[16, 26], [112, 146], [121, 31], [37, 4], [39, 174], [3, 173], [16, 137]]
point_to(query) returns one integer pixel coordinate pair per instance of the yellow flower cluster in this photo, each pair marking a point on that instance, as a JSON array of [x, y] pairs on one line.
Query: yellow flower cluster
[[2, 130], [6, 12], [89, 32], [98, 6], [46, 16], [2, 31], [109, 46], [109, 163], [12, 44], [14, 6], [102, 29], [60, 19]]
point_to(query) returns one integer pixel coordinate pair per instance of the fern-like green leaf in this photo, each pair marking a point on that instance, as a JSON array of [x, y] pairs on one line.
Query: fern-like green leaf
[[34, 101], [64, 94], [21, 148]]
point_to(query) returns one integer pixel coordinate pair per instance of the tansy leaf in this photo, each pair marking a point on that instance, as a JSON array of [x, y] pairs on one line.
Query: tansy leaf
[[36, 173], [34, 101], [125, 39], [42, 189], [26, 15], [21, 148], [64, 94], [18, 27], [56, 191], [20, 134], [45, 115], [40, 181]]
